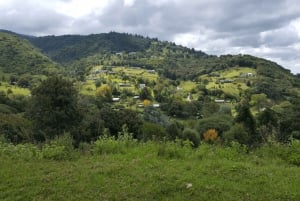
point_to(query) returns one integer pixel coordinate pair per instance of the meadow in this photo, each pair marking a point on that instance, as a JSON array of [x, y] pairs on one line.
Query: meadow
[[125, 169]]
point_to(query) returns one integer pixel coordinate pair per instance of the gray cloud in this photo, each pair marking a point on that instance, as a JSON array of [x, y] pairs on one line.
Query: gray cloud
[[261, 27]]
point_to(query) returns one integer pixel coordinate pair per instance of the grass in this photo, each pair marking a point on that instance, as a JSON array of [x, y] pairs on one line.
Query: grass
[[152, 171], [234, 88], [15, 89], [188, 85]]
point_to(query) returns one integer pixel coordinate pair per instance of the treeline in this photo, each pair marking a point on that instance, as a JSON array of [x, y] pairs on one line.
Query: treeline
[[55, 108]]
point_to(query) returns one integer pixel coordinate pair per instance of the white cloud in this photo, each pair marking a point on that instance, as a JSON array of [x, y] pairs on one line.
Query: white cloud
[[268, 28], [79, 8]]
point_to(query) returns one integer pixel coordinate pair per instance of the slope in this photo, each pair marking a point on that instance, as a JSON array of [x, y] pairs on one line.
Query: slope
[[18, 56]]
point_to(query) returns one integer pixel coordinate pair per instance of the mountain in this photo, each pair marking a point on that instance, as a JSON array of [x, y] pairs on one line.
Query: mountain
[[79, 53], [68, 48], [18, 56]]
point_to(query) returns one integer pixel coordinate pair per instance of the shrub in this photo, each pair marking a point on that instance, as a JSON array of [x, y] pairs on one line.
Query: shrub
[[191, 135], [211, 136], [292, 154], [236, 133], [178, 149], [61, 148], [107, 144]]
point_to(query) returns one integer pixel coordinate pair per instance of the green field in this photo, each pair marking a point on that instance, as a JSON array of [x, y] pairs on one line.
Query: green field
[[149, 171], [238, 85], [15, 89]]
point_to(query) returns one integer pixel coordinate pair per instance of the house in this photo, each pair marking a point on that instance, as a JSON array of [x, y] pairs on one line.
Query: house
[[124, 85], [156, 105], [142, 86], [151, 71], [219, 101], [226, 81], [136, 97], [115, 99]]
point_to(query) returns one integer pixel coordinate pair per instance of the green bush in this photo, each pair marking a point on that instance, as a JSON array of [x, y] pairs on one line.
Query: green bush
[[178, 149], [61, 148], [111, 145], [292, 154], [191, 135], [20, 151]]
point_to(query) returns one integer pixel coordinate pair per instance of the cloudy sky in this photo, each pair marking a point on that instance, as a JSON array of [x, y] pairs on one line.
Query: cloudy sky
[[264, 28]]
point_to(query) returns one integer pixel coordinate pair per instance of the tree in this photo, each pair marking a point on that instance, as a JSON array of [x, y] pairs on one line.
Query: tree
[[246, 118], [211, 136], [104, 93], [191, 135], [54, 108], [145, 94], [259, 101]]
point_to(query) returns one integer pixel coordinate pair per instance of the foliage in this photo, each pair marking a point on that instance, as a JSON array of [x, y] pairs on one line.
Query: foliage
[[110, 145], [237, 133], [246, 118], [54, 108], [211, 136], [221, 123], [60, 148], [191, 135], [152, 131], [104, 93], [18, 56], [15, 128]]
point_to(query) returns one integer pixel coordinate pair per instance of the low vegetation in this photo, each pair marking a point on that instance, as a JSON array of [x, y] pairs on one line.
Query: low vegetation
[[123, 169]]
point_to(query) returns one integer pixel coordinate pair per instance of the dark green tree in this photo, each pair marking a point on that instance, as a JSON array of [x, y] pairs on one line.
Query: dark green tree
[[246, 118], [54, 108], [146, 94]]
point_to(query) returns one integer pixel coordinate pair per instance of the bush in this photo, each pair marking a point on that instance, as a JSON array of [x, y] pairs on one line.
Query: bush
[[292, 154], [20, 151], [178, 149], [211, 136], [191, 135], [61, 148], [111, 145], [236, 133]]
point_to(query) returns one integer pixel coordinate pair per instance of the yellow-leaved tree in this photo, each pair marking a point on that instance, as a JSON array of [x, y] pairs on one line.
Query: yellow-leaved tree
[[104, 92], [211, 135]]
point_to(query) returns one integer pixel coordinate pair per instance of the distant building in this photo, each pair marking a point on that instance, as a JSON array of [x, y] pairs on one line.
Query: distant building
[[124, 85], [151, 71], [142, 86], [219, 101], [156, 105], [115, 99]]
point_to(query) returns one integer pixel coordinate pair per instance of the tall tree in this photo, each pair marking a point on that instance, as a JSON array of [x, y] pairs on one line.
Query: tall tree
[[246, 118], [54, 108]]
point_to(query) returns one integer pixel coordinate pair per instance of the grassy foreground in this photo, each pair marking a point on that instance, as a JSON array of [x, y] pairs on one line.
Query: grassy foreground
[[150, 171]]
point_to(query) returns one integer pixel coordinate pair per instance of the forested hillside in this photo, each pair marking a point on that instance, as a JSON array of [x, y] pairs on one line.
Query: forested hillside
[[18, 56]]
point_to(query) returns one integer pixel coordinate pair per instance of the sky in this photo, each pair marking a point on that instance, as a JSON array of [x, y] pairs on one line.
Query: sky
[[263, 28]]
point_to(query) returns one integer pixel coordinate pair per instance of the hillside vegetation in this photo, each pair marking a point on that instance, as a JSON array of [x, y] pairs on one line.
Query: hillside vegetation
[[165, 121], [18, 56]]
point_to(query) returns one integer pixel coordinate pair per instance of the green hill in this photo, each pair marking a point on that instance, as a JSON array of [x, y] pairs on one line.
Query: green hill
[[18, 56]]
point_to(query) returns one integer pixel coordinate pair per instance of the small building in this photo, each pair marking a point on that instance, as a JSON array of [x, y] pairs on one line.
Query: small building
[[156, 105], [136, 97], [124, 85], [142, 86], [151, 71], [219, 101], [115, 99]]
